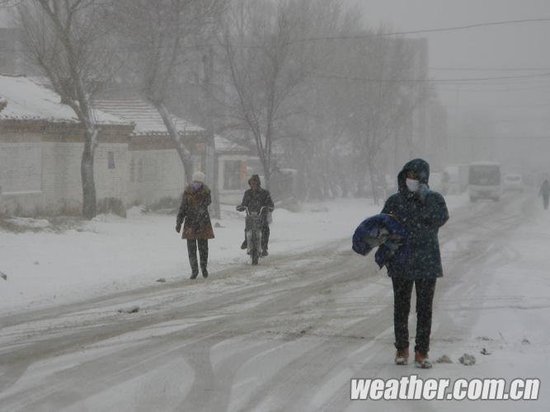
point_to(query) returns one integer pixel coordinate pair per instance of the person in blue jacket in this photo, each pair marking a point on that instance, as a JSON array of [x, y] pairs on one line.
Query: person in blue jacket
[[386, 233], [422, 212]]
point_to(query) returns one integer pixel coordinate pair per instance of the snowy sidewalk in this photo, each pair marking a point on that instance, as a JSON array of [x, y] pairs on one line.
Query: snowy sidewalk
[[112, 254]]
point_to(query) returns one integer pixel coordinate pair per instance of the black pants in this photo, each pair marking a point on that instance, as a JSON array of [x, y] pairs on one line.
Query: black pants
[[203, 253], [402, 291], [265, 236], [545, 201]]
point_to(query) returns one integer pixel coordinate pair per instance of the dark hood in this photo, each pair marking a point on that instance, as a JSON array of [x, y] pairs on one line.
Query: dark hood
[[255, 178], [419, 166]]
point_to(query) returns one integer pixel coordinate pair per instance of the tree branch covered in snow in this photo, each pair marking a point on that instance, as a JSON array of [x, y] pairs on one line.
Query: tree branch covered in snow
[[159, 35], [269, 65]]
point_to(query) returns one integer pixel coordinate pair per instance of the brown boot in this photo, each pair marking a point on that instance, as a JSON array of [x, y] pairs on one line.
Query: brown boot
[[421, 360], [402, 356]]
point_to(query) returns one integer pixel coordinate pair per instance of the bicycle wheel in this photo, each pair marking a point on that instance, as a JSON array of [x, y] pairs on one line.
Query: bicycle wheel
[[255, 248]]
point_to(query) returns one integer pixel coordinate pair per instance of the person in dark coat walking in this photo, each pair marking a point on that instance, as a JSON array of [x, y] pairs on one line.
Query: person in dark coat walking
[[422, 212], [197, 228], [545, 193], [254, 199]]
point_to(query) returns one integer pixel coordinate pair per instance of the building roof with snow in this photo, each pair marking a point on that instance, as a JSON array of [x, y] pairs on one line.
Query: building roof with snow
[[148, 121], [26, 99], [144, 115], [226, 145]]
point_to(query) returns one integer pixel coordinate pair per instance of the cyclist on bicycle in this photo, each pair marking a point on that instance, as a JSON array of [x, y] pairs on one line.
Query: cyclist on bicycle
[[254, 199]]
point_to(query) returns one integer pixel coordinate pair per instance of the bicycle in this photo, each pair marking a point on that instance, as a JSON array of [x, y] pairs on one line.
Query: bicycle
[[254, 233]]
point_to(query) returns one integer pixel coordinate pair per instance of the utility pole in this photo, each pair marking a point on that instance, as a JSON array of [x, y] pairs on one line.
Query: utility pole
[[211, 155]]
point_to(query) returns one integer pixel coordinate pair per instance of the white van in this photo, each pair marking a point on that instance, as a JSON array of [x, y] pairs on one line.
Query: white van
[[484, 181], [512, 182]]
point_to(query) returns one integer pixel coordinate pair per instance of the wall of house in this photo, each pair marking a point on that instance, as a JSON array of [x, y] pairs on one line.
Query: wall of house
[[62, 153], [20, 170], [40, 168], [111, 170], [154, 175], [61, 180], [61, 184]]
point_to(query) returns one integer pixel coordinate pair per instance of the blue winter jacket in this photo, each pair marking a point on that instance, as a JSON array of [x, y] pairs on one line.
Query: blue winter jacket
[[422, 214], [388, 234]]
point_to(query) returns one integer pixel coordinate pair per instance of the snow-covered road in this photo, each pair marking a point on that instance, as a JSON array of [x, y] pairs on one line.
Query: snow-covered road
[[291, 333]]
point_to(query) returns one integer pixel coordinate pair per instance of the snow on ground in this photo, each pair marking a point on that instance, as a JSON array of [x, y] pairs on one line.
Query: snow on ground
[[111, 254], [513, 311], [502, 307]]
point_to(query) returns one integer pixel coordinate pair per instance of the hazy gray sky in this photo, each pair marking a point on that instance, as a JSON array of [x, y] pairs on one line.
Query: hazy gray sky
[[493, 51], [502, 47]]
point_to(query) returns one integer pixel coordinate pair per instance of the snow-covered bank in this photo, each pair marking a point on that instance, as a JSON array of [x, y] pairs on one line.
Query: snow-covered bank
[[510, 337], [111, 254]]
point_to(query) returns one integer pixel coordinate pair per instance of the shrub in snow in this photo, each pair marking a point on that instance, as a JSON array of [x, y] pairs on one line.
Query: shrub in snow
[[467, 359], [111, 205], [166, 203], [444, 359]]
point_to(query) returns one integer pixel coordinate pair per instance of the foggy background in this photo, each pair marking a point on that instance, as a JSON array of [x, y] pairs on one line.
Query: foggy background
[[512, 113], [330, 97]]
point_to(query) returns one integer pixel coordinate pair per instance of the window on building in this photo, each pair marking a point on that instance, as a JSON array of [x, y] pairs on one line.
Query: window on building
[[111, 160], [232, 175]]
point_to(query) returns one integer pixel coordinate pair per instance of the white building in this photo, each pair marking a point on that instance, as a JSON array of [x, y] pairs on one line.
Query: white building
[[41, 144]]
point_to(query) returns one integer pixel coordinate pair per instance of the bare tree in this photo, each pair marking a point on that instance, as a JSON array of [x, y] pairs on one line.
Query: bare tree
[[266, 66], [321, 149], [384, 88], [67, 41], [6, 4], [161, 35]]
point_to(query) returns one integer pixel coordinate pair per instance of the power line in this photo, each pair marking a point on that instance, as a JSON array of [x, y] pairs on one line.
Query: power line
[[476, 25], [505, 107], [489, 69], [402, 33], [427, 80], [475, 79], [541, 87], [421, 31]]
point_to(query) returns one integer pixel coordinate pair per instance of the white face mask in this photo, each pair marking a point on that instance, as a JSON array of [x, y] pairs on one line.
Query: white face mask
[[412, 184]]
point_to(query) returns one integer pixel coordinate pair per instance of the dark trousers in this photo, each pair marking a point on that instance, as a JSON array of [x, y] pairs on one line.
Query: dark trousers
[[203, 253], [402, 291], [545, 201], [265, 236]]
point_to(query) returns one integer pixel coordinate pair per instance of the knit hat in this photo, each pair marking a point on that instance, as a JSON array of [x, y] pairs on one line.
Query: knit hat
[[198, 176], [255, 178]]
